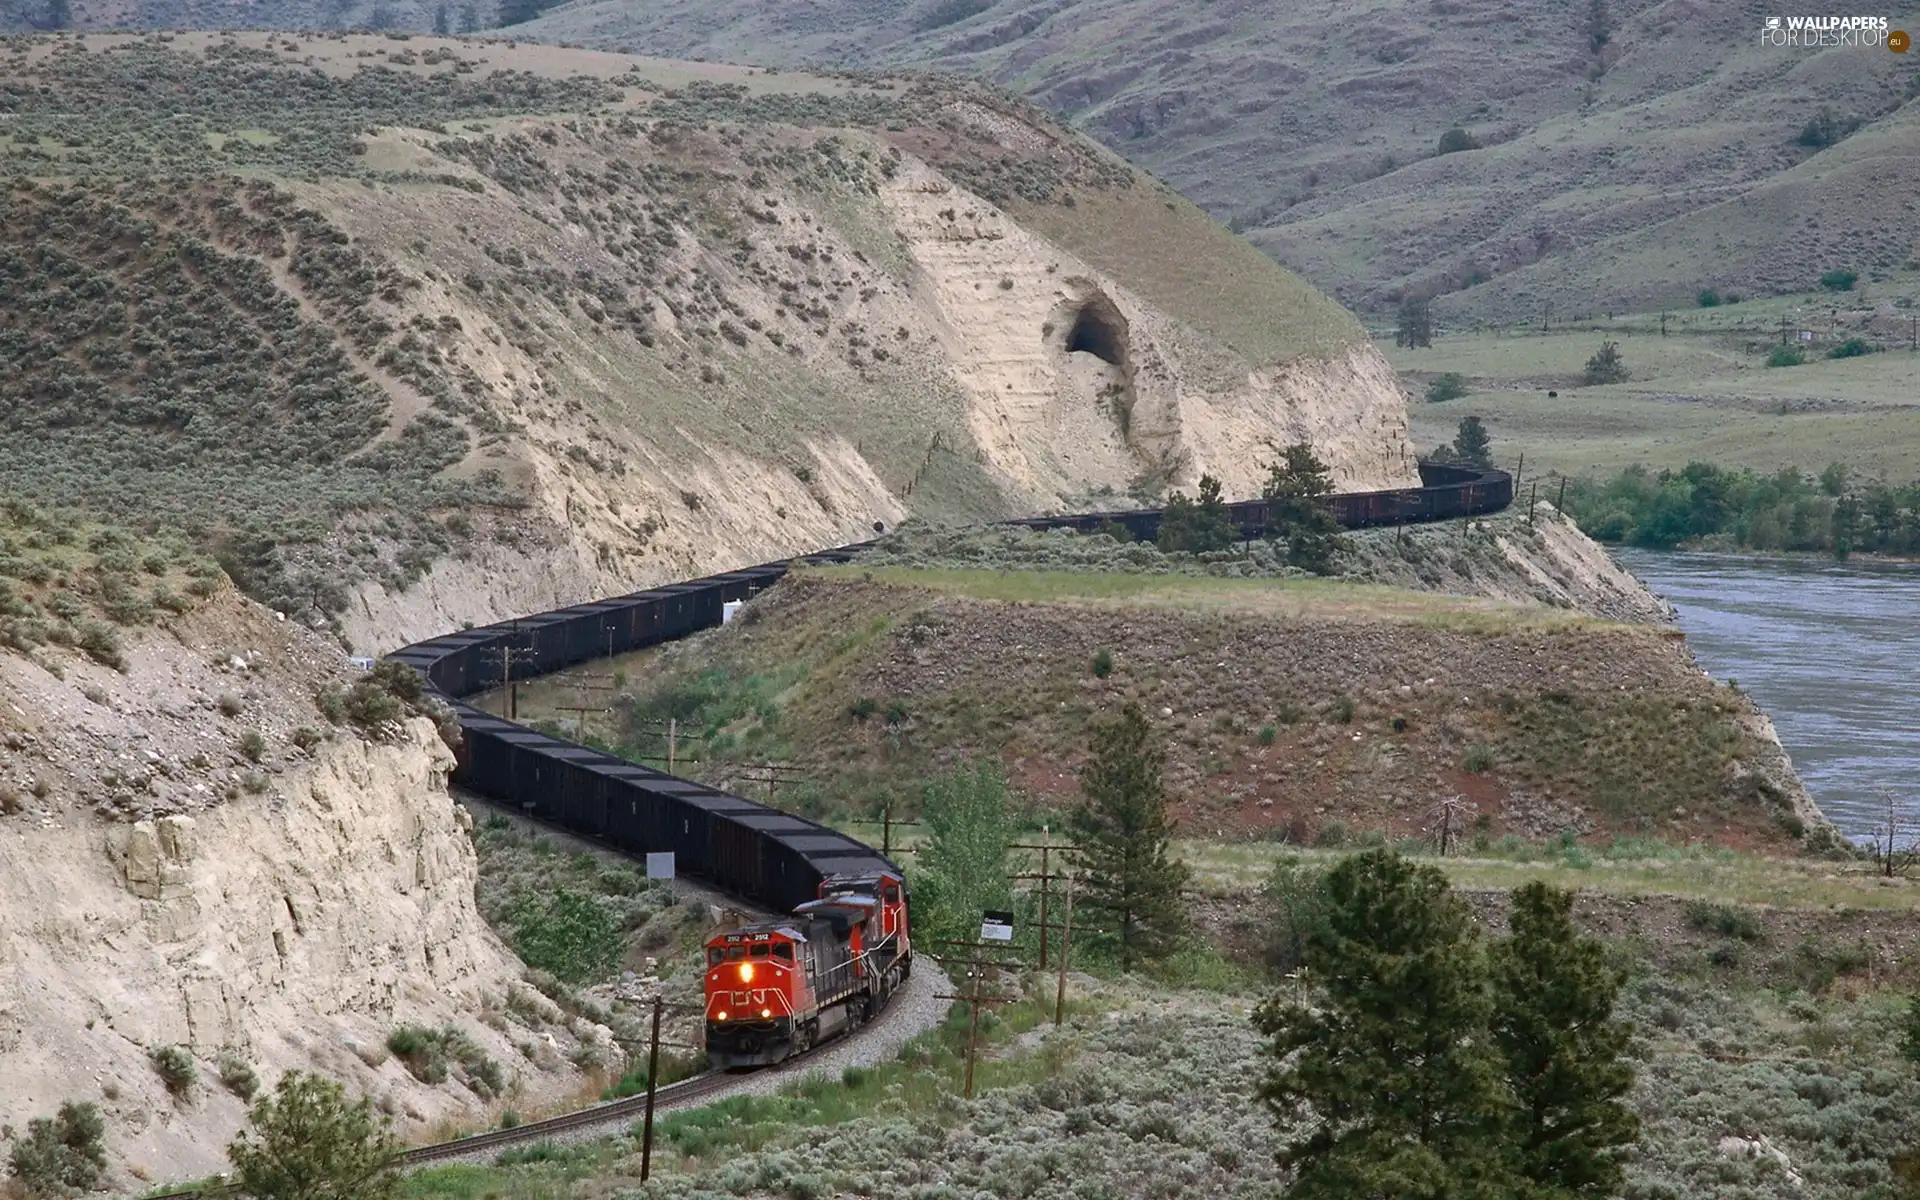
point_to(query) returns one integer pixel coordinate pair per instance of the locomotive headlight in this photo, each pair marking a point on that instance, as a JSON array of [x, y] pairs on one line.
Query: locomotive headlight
[[746, 972], [721, 1015], [766, 1012]]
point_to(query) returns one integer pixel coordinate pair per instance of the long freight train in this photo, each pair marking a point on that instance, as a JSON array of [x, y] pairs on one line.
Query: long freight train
[[847, 945]]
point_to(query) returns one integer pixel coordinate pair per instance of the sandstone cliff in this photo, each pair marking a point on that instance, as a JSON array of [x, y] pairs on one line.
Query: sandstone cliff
[[166, 879]]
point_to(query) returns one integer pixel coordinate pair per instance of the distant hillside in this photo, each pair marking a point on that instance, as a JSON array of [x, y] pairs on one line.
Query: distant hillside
[[409, 331], [1625, 177], [1624, 165]]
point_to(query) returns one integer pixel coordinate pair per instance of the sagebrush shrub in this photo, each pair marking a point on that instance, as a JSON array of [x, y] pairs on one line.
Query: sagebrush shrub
[[176, 1068], [238, 1077]]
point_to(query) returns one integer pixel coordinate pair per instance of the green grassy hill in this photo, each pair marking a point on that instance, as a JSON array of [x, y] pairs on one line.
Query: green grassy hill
[[1703, 392]]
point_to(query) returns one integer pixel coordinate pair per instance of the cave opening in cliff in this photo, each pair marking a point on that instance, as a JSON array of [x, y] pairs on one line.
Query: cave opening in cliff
[[1099, 329]]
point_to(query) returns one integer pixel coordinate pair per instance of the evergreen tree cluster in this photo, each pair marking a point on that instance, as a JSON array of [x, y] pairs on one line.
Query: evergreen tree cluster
[[1606, 366], [62, 1154], [1471, 444], [1788, 510], [307, 1141], [1414, 327], [1197, 526], [1437, 1066], [1296, 491]]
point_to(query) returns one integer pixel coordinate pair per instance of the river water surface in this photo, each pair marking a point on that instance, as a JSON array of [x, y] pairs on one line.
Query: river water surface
[[1830, 651]]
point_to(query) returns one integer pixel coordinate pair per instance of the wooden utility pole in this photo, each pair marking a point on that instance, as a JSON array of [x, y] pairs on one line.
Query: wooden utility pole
[[653, 1082], [1046, 887], [1066, 944], [770, 775], [975, 996], [1519, 467], [673, 742], [1783, 329], [506, 656], [580, 712], [1045, 875]]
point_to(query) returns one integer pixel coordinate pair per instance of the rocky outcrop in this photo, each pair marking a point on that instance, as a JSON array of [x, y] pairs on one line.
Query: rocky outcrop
[[280, 930], [191, 855]]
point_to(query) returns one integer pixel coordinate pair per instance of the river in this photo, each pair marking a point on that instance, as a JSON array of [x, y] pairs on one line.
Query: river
[[1831, 651]]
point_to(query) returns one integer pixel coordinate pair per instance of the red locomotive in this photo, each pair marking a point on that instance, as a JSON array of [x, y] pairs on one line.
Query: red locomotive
[[776, 989]]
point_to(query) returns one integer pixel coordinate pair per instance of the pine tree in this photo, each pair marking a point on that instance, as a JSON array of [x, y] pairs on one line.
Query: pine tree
[[308, 1142], [1471, 443], [1553, 997], [1606, 366], [59, 14], [1176, 523], [1197, 526], [1390, 1076], [1296, 492], [1416, 323], [961, 870], [1123, 839], [469, 18], [442, 24]]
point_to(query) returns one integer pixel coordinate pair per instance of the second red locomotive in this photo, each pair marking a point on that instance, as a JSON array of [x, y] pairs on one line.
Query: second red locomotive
[[778, 988]]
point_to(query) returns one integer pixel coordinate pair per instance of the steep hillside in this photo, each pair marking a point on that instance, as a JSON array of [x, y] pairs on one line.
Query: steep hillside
[[1620, 165], [413, 332], [1627, 173], [200, 871]]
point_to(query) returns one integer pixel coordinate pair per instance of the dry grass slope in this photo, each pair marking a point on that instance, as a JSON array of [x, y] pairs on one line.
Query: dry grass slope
[[1635, 173], [1288, 706], [375, 315]]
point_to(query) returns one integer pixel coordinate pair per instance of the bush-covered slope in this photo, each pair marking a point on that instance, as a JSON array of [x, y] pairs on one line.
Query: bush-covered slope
[[1615, 157], [413, 331], [1297, 708]]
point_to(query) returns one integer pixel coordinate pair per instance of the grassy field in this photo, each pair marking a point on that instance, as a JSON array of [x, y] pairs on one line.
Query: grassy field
[[1703, 392], [1270, 598], [1628, 867]]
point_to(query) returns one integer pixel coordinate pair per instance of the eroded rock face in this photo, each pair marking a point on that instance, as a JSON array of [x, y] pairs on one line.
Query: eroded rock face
[[280, 929]]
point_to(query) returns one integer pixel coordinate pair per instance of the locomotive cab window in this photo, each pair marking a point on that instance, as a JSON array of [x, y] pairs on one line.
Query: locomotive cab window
[[716, 956], [760, 950], [736, 953], [783, 952]]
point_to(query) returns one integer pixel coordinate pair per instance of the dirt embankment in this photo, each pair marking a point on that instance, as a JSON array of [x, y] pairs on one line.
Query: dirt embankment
[[1284, 707]]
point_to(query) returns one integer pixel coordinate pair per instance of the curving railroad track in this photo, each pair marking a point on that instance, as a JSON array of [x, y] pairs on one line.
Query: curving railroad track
[[760, 855]]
